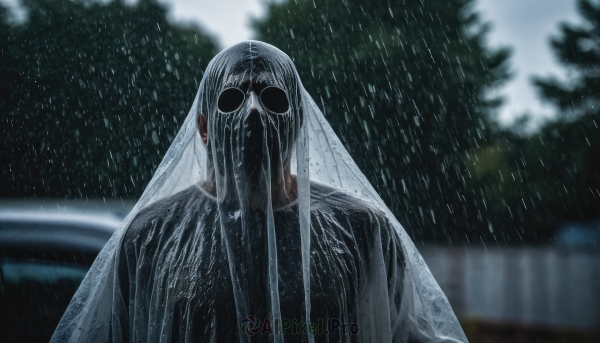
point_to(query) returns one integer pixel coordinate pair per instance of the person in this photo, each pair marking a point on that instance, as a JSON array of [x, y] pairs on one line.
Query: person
[[258, 227]]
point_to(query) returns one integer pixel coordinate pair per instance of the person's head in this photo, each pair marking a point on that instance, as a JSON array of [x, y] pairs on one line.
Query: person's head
[[250, 117]]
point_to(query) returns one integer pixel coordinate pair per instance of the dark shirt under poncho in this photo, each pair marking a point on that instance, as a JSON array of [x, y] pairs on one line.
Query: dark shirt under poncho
[[175, 281]]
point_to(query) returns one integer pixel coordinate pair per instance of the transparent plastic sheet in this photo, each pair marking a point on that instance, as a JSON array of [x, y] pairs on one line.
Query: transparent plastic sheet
[[272, 219]]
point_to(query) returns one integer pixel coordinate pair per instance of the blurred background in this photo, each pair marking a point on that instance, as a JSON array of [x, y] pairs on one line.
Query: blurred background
[[476, 120]]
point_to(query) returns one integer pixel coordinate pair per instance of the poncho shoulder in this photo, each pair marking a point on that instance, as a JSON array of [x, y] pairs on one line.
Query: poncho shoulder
[[197, 203]]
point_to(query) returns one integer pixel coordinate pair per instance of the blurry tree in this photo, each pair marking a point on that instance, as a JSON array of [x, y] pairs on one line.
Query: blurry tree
[[537, 183], [404, 84], [91, 95]]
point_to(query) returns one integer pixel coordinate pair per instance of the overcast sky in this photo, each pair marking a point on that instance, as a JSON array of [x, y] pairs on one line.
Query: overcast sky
[[524, 25], [227, 20]]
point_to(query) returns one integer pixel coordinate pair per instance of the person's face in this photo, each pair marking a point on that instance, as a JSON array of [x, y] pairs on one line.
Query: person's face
[[253, 125]]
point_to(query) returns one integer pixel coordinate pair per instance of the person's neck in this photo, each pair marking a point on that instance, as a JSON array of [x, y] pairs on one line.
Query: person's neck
[[283, 191]]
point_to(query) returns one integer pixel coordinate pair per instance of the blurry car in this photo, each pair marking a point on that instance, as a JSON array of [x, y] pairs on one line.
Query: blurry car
[[43, 259]]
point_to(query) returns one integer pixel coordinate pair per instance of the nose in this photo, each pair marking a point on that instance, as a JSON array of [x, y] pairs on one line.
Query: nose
[[253, 103], [253, 115]]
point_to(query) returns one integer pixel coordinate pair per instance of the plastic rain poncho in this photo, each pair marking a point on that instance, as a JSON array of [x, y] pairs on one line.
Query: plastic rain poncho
[[267, 233]]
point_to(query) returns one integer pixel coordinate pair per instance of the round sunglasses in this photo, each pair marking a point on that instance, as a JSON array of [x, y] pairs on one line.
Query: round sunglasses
[[274, 99]]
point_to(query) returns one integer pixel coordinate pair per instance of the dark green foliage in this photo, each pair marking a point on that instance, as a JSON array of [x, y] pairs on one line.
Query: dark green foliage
[[403, 84], [534, 185], [561, 175], [92, 95]]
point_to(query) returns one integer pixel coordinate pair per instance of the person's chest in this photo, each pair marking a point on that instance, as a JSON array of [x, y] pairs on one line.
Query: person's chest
[[199, 287]]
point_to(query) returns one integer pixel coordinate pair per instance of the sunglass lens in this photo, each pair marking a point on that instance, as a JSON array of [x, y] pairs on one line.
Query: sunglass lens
[[230, 100], [275, 100]]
